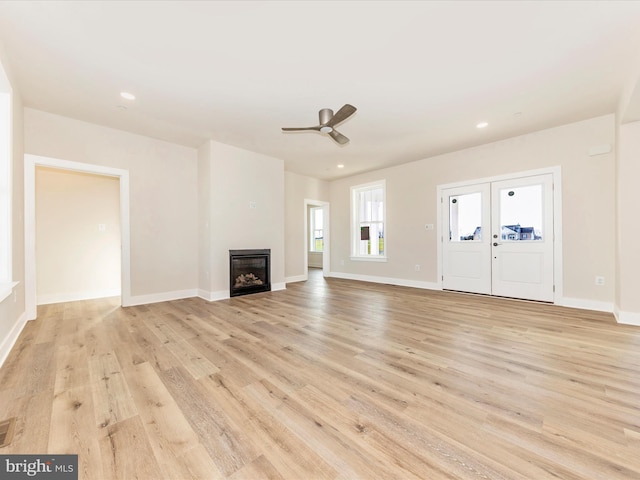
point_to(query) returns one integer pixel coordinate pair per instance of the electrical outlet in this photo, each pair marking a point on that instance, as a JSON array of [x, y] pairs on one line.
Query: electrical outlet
[[417, 267], [341, 262], [599, 281], [102, 227]]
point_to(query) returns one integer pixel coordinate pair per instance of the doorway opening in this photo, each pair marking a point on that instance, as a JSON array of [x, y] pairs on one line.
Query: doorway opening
[[77, 236], [33, 161], [502, 236], [316, 237]]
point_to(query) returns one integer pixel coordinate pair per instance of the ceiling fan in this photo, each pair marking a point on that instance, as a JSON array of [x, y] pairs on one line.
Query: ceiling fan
[[328, 120]]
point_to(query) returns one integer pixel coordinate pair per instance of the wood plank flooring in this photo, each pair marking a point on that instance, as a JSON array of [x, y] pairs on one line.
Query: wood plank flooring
[[330, 379]]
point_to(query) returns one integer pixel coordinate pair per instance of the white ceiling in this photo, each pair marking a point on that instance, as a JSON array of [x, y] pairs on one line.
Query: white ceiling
[[421, 74]]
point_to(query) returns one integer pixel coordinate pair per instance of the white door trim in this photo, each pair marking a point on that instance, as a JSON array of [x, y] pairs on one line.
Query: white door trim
[[557, 219], [30, 163], [326, 254]]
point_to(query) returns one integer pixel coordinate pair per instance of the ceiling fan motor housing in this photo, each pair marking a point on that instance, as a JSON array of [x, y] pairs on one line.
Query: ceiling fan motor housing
[[325, 115]]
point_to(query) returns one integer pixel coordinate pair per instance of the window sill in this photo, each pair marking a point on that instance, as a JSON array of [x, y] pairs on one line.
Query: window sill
[[6, 289], [369, 259]]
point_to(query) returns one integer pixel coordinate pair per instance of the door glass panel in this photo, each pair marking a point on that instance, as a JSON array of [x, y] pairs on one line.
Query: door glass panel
[[465, 217], [521, 213]]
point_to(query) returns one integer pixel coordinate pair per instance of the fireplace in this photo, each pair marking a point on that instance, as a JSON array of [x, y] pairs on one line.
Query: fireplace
[[250, 271]]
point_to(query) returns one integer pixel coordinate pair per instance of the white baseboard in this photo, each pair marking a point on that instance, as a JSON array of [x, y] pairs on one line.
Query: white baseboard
[[622, 317], [213, 296], [627, 318], [161, 297], [401, 282], [278, 286], [297, 278], [11, 337], [75, 296], [585, 304]]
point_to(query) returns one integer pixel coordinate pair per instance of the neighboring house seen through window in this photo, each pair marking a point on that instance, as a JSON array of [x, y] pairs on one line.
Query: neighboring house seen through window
[[368, 206]]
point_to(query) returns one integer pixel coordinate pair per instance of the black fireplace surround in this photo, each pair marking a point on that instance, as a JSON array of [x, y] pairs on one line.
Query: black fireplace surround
[[249, 271]]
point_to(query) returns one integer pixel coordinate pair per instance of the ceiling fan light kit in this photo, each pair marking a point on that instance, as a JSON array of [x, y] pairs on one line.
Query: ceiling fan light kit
[[328, 121]]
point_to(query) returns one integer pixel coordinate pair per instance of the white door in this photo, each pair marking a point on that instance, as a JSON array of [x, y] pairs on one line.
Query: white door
[[466, 212], [522, 238], [498, 238]]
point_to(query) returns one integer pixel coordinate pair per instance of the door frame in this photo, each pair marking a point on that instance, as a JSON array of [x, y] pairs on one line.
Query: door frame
[[30, 163], [556, 173], [326, 253]]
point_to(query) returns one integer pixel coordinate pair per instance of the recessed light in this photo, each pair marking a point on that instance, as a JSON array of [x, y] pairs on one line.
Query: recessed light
[[482, 125], [127, 95], [341, 166]]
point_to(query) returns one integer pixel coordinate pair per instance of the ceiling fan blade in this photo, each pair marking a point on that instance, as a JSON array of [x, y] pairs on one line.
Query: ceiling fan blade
[[294, 129], [341, 115], [338, 137]]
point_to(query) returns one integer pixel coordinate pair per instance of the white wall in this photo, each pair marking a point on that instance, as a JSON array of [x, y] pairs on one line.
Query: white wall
[[299, 188], [75, 259], [163, 196], [588, 185], [245, 211]]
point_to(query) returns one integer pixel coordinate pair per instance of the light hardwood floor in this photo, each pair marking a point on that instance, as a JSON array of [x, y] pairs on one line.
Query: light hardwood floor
[[330, 379]]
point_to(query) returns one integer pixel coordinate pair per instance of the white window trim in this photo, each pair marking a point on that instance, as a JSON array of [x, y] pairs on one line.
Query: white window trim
[[6, 191], [6, 289], [354, 227]]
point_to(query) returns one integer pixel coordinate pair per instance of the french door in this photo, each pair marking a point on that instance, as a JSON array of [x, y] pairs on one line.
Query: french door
[[498, 238]]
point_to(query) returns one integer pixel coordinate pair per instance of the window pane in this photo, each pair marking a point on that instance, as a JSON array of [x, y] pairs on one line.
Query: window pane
[[521, 213], [317, 218], [365, 205], [465, 217], [317, 232], [368, 228], [371, 239], [376, 205], [371, 205]]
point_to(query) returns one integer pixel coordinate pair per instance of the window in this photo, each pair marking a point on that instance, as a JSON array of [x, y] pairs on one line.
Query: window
[[316, 233], [465, 217], [521, 212], [5, 186], [368, 207]]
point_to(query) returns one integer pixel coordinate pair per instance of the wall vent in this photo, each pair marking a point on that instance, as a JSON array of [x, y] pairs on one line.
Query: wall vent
[[7, 427]]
